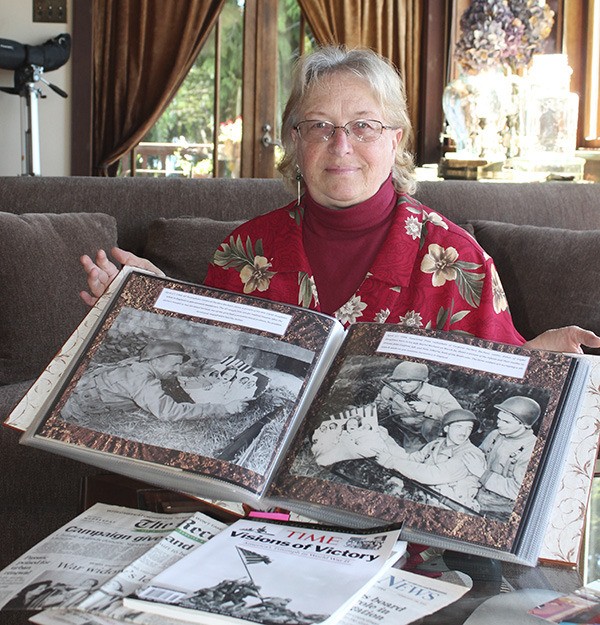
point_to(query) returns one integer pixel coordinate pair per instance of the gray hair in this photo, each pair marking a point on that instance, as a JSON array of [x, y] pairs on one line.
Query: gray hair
[[387, 86]]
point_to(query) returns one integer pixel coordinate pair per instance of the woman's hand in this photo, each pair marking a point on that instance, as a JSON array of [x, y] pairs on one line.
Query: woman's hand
[[568, 339], [102, 271]]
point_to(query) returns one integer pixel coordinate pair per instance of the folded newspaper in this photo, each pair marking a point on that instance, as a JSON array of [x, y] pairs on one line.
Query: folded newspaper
[[81, 572], [76, 560], [104, 606]]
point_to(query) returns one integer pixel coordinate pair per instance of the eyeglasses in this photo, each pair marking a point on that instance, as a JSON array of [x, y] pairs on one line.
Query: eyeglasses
[[317, 131]]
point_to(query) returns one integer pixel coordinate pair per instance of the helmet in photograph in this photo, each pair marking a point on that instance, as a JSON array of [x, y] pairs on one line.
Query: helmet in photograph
[[525, 409], [163, 348], [414, 371], [459, 414]]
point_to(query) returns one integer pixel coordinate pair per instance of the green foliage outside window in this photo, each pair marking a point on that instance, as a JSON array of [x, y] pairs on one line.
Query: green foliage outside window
[[189, 119]]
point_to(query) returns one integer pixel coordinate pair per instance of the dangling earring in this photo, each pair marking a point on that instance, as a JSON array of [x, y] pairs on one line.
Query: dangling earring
[[298, 180]]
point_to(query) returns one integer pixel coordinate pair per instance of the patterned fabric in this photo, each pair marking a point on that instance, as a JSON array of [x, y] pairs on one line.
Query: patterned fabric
[[429, 273]]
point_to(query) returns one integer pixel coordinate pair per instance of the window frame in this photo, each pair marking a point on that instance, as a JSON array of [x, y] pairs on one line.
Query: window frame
[[575, 36], [259, 90], [581, 43]]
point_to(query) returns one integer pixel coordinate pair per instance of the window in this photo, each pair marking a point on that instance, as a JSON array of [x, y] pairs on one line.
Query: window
[[582, 45], [576, 32], [232, 97]]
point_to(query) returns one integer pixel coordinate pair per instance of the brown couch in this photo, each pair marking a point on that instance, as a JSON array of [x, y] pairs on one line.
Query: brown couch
[[545, 238]]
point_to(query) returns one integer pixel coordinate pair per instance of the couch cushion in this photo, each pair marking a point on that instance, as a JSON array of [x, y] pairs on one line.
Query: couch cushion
[[183, 247], [40, 280], [551, 276]]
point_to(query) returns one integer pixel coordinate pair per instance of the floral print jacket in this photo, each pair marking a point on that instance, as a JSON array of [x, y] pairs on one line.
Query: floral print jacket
[[429, 273]]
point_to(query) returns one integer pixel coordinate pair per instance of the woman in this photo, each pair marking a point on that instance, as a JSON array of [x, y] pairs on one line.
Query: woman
[[355, 244]]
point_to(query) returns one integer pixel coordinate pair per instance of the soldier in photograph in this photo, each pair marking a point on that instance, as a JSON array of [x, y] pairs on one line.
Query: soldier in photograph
[[439, 468], [135, 384], [507, 452], [230, 594], [272, 610], [414, 405]]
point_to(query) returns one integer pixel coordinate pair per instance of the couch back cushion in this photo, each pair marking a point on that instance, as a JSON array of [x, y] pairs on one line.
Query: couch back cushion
[[555, 204], [40, 280], [551, 275], [183, 247], [136, 202]]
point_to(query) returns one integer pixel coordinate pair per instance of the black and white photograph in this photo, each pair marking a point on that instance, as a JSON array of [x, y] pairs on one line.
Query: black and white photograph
[[425, 432], [191, 387], [52, 589], [269, 573], [243, 598]]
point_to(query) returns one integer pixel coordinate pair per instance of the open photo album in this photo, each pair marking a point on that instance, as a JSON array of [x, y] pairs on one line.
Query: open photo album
[[226, 396]]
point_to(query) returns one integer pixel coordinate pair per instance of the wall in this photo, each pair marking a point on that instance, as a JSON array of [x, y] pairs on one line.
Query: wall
[[16, 24]]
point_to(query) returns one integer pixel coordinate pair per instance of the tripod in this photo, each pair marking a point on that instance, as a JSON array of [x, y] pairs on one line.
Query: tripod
[[29, 63], [26, 86]]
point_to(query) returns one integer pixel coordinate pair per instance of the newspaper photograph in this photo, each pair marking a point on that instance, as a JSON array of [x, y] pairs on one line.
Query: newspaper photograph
[[105, 605], [78, 558]]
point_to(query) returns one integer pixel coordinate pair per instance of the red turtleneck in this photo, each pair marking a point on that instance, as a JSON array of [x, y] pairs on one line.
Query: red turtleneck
[[341, 244]]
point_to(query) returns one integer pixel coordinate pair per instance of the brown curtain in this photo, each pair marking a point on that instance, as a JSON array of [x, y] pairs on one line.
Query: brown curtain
[[143, 50], [389, 27]]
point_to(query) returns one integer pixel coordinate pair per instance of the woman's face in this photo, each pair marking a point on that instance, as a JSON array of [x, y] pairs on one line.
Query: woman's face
[[342, 171]]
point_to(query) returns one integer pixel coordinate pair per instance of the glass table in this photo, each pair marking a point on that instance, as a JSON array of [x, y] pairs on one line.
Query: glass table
[[501, 593]]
